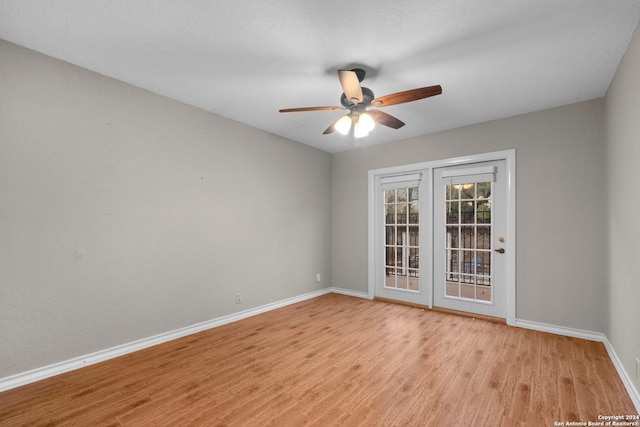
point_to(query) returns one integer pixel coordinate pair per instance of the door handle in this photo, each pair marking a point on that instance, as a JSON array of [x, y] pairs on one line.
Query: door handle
[[500, 250]]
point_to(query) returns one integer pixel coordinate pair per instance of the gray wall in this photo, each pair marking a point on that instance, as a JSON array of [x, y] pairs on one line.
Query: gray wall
[[560, 174], [124, 214], [623, 160]]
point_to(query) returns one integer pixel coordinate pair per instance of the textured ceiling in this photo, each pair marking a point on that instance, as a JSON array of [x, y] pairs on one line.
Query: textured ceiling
[[247, 59]]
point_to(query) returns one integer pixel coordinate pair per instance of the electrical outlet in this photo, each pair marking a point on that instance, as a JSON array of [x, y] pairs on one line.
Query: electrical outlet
[[318, 277], [238, 298], [638, 369]]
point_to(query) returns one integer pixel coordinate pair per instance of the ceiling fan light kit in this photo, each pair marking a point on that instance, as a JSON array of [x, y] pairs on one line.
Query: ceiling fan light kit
[[343, 125], [363, 125], [360, 120]]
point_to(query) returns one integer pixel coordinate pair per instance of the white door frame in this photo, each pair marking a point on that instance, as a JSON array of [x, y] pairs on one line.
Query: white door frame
[[510, 158]]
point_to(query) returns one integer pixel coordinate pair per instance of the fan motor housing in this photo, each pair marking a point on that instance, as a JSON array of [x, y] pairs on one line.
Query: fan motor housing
[[367, 97]]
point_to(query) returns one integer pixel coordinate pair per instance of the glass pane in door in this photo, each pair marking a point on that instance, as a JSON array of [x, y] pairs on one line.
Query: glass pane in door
[[468, 241], [402, 230]]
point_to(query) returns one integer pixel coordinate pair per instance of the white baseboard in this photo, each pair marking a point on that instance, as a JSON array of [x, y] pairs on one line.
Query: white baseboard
[[560, 330], [350, 293], [624, 376], [591, 336], [38, 374]]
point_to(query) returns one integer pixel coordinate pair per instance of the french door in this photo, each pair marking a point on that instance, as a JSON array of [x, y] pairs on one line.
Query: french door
[[442, 234], [401, 241], [469, 238]]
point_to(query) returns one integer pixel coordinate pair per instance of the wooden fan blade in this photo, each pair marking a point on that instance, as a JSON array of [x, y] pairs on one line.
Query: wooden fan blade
[[331, 128], [385, 119], [350, 85], [298, 110], [407, 96]]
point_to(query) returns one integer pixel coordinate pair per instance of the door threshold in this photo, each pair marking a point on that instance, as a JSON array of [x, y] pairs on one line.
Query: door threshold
[[444, 310], [395, 301], [472, 315]]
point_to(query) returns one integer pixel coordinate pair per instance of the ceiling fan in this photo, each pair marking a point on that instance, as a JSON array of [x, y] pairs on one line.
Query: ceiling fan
[[358, 99]]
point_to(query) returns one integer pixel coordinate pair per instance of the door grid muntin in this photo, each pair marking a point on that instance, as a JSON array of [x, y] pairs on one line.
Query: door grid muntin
[[468, 237], [402, 239]]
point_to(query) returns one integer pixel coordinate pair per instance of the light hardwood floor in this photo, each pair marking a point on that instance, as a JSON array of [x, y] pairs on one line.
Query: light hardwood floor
[[337, 361]]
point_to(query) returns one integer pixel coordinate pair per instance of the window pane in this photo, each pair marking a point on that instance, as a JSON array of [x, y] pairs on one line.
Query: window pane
[[468, 237], [451, 192], [467, 279], [414, 236], [452, 261], [452, 237], [467, 213], [467, 191], [452, 289], [414, 213], [484, 190], [391, 235], [390, 278], [390, 258], [467, 290], [399, 256], [401, 195], [468, 262], [452, 212], [401, 213], [390, 217], [401, 281], [483, 211], [483, 293], [413, 280], [390, 196], [484, 264], [414, 259], [483, 236]]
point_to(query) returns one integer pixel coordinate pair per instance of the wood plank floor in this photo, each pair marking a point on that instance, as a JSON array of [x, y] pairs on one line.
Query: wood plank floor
[[336, 361]]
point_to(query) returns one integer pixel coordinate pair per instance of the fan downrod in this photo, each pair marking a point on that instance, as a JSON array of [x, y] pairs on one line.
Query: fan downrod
[[360, 73]]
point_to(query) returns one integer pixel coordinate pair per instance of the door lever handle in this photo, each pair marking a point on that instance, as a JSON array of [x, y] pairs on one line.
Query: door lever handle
[[500, 250]]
